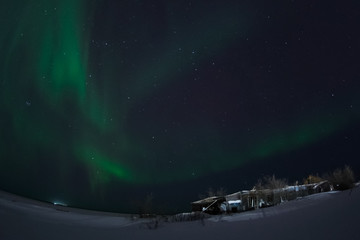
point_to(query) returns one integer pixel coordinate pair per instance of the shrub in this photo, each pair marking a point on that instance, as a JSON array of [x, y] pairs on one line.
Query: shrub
[[313, 179], [342, 179]]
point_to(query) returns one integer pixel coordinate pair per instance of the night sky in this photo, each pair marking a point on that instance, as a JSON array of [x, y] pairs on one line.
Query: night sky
[[106, 102]]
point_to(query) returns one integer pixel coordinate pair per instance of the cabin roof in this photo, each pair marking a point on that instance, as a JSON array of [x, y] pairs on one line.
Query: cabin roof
[[208, 200]]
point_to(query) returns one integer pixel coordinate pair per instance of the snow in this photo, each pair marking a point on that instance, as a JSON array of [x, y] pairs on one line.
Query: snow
[[321, 216]]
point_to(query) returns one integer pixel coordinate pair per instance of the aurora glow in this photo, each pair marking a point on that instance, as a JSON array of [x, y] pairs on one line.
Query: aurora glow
[[106, 94]]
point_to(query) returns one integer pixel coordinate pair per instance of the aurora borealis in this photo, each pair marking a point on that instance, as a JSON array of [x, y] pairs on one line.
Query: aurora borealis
[[112, 100]]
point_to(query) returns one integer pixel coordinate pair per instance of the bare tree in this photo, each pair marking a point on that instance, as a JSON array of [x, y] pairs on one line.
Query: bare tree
[[146, 206], [213, 193], [270, 182]]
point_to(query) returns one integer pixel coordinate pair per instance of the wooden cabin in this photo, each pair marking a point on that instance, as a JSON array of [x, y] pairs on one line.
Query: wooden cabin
[[254, 199]]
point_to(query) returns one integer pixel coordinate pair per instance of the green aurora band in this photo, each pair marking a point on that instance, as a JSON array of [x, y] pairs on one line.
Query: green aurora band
[[46, 59]]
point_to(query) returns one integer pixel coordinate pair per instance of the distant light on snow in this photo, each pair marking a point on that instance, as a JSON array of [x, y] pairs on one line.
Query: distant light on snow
[[60, 204]]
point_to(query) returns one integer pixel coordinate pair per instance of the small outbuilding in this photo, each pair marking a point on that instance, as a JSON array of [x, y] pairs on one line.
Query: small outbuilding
[[211, 205], [234, 205], [323, 186]]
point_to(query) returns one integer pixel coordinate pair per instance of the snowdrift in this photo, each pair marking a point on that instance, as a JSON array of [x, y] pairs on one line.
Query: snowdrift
[[331, 215]]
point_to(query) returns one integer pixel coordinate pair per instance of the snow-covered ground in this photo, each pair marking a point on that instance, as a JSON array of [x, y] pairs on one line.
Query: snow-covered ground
[[334, 215]]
